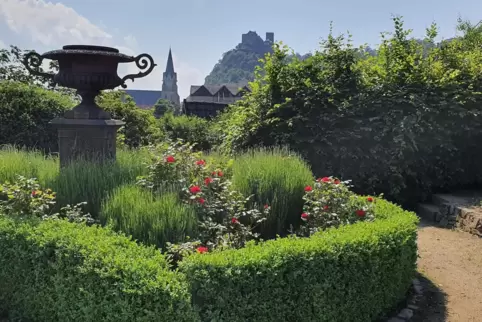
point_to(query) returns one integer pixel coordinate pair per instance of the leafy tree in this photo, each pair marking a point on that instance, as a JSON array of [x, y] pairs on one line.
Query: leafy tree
[[164, 106], [13, 69], [403, 122]]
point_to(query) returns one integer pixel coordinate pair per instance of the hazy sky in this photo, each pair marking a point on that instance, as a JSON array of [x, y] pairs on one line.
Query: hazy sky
[[199, 31]]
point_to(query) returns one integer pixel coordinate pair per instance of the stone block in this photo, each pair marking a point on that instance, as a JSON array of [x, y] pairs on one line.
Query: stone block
[[470, 220]]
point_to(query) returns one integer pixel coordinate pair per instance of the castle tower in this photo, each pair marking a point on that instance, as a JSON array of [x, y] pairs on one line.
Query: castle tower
[[169, 82]]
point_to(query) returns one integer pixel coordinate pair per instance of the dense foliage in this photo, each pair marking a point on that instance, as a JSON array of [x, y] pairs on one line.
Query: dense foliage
[[25, 113], [141, 126], [355, 273], [373, 259], [403, 122], [191, 129], [60, 271], [164, 106]]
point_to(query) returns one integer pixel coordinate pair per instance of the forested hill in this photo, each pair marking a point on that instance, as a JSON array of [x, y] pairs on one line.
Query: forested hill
[[238, 64]]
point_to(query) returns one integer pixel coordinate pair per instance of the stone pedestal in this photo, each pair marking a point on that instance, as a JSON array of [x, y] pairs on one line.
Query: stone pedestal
[[86, 139]]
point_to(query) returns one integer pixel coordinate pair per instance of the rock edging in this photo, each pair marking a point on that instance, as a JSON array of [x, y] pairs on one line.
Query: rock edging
[[412, 305]]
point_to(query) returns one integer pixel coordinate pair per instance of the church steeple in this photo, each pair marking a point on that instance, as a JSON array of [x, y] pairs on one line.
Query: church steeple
[[170, 64], [169, 82]]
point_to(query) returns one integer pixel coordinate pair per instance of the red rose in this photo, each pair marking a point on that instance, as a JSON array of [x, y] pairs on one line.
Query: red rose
[[207, 181], [195, 189], [266, 206], [304, 216], [370, 199], [220, 173], [201, 201], [336, 181], [360, 213], [308, 188], [202, 249], [326, 207], [213, 173], [201, 162], [325, 179], [170, 159], [234, 221]]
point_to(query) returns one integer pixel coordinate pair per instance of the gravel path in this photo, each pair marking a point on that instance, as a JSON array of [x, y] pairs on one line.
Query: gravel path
[[451, 264]]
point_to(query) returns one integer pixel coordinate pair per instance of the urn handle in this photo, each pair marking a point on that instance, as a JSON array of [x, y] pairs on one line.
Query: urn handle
[[32, 62], [145, 63]]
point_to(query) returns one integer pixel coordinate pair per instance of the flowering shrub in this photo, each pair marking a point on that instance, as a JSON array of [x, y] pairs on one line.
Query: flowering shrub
[[26, 198], [224, 219], [330, 203]]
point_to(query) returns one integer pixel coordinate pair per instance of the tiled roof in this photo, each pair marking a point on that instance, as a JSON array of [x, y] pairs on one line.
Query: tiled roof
[[213, 89], [144, 98]]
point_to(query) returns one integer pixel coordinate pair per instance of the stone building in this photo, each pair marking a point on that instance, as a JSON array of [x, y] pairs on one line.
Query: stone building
[[147, 98], [207, 100]]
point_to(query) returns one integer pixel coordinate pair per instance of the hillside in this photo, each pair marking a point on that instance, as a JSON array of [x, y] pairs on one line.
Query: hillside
[[238, 64]]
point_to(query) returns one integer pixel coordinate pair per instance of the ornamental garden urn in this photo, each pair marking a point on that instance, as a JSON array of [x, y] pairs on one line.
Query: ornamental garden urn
[[87, 131]]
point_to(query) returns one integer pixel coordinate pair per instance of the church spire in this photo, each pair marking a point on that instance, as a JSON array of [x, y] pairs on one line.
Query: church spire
[[170, 64], [169, 82]]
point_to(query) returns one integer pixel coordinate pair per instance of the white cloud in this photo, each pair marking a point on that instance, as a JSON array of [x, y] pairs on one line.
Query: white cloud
[[53, 24]]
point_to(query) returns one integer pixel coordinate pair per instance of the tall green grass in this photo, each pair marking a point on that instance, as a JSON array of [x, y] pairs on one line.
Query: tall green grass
[[148, 218], [276, 177], [80, 181], [27, 163]]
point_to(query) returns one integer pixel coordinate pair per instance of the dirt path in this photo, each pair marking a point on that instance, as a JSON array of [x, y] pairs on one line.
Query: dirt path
[[451, 262]]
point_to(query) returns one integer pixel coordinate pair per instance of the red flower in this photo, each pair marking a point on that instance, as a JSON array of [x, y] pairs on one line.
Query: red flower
[[304, 216], [201, 201], [195, 189], [266, 206], [336, 181], [370, 199], [308, 188], [234, 221], [325, 179], [201, 162], [35, 193], [202, 249], [207, 181], [170, 159], [213, 173], [360, 213], [326, 207], [220, 173]]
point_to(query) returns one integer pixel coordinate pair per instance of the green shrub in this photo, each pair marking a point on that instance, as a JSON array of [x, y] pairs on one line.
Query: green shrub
[[352, 273], [277, 178], [25, 111], [60, 271], [152, 219], [190, 129], [141, 125], [403, 122]]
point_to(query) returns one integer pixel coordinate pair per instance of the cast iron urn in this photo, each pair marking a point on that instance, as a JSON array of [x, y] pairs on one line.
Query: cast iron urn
[[87, 131]]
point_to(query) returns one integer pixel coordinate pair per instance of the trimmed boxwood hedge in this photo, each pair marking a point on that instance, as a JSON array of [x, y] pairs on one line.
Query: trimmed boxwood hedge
[[355, 273], [60, 271]]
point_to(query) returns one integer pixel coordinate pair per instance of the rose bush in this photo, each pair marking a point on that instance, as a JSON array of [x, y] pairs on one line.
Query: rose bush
[[225, 221], [330, 203]]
